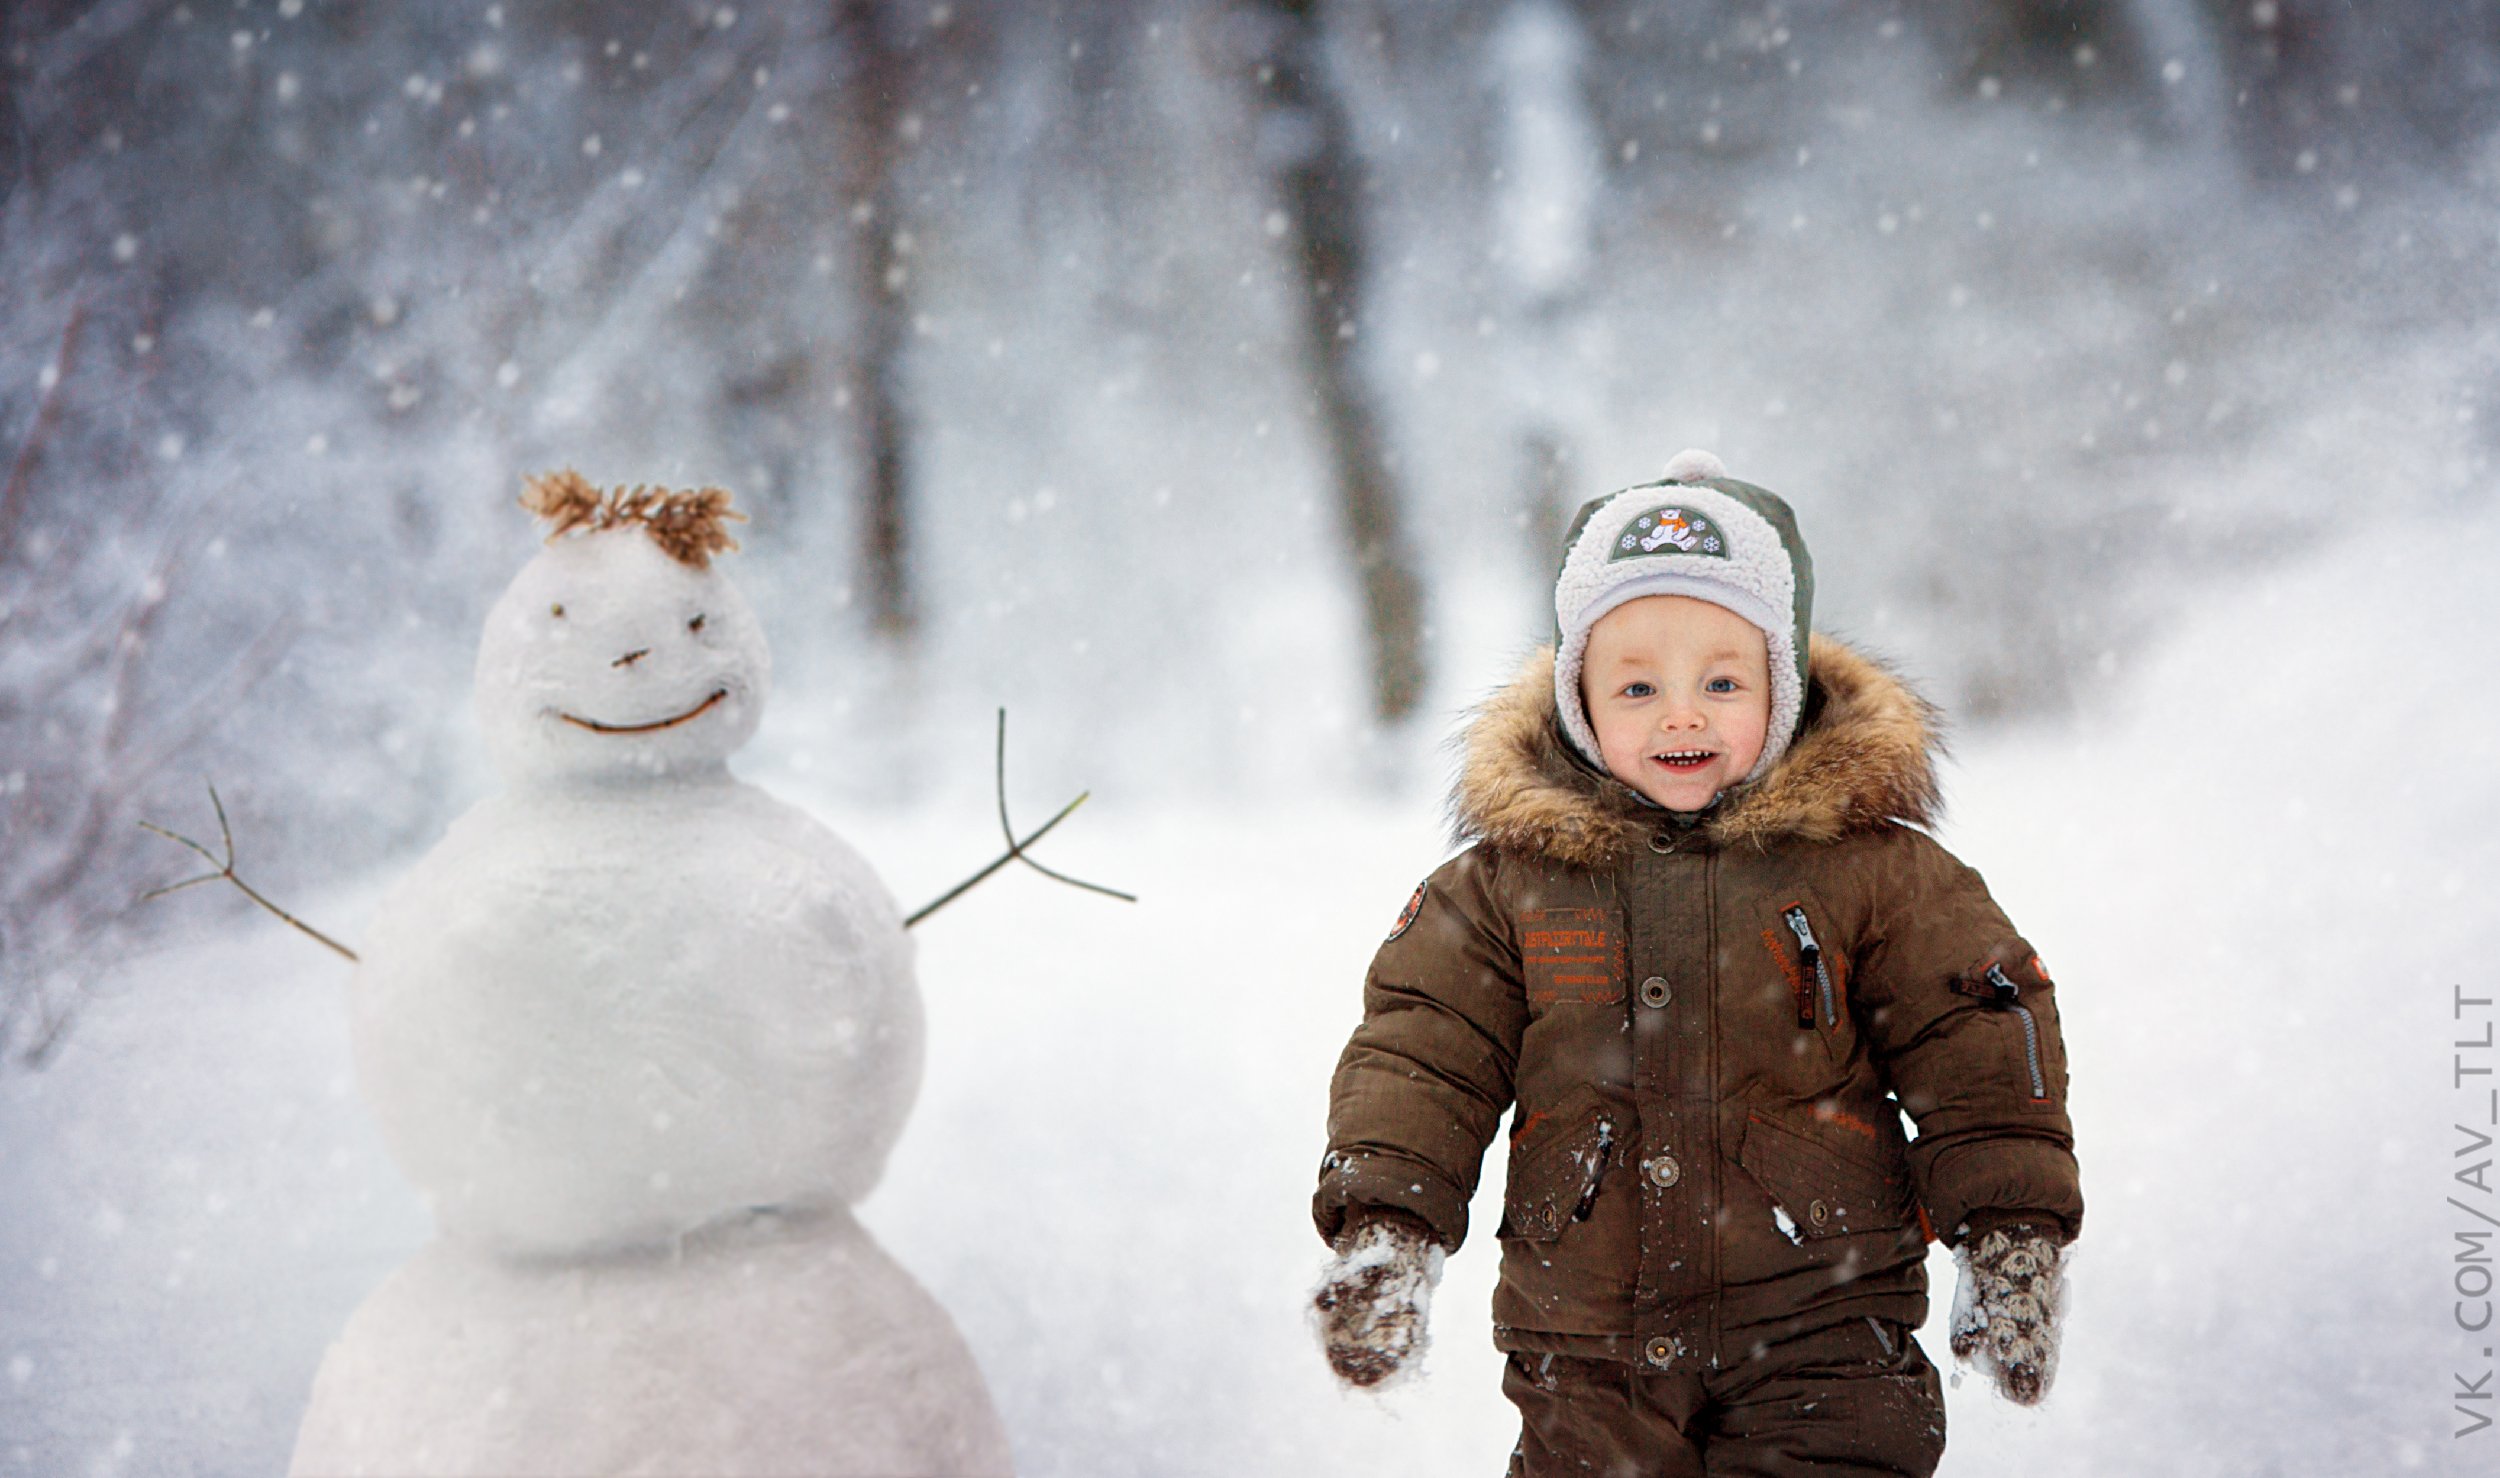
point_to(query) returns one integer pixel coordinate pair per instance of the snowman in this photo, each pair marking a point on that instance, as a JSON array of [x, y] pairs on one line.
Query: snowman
[[642, 1035]]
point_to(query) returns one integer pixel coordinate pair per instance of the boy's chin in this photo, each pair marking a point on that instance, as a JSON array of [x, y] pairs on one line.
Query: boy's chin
[[1680, 793], [1686, 805]]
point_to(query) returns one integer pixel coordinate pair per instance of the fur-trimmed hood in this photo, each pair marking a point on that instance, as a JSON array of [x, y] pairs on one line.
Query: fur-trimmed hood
[[1865, 756]]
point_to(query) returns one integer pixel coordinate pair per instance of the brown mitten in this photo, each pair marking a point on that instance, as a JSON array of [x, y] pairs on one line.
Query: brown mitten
[[1373, 1298], [2005, 1312]]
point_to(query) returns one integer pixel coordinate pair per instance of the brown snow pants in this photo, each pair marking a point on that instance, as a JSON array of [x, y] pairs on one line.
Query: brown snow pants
[[1858, 1397]]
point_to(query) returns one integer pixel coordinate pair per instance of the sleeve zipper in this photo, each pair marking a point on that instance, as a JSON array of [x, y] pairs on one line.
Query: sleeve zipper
[[1812, 954], [2007, 994]]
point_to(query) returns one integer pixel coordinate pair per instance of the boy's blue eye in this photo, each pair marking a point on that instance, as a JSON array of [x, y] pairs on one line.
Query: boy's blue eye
[[1638, 690], [1721, 685]]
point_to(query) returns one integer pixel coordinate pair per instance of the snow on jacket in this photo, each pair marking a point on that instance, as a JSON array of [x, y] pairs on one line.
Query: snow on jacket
[[1705, 1025]]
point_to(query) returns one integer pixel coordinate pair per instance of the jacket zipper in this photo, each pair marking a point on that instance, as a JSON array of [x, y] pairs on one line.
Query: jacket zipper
[[1812, 953], [2008, 995]]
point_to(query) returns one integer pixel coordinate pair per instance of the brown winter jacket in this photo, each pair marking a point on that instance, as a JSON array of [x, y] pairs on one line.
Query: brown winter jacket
[[1704, 1025]]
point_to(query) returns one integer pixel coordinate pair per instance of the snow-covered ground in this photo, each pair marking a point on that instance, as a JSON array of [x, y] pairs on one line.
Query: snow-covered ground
[[2257, 868]]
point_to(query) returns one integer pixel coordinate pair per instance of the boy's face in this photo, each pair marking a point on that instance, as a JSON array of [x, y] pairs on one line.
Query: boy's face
[[1679, 693]]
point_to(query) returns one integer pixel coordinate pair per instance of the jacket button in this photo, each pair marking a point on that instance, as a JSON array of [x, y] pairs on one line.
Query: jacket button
[[1660, 1351], [1818, 1213], [1659, 841], [1663, 1172], [1655, 991]]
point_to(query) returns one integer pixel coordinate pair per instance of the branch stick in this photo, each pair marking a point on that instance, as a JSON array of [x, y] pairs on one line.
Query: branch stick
[[1007, 829], [1014, 850], [1017, 851], [225, 870]]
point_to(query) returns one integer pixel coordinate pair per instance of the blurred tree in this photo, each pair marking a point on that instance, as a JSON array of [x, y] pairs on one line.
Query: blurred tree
[[14, 145], [2086, 47], [2292, 87], [112, 674], [2339, 87], [878, 66], [1307, 144], [1549, 177], [98, 698]]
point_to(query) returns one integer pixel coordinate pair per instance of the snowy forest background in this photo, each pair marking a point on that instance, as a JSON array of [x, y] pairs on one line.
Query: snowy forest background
[[1207, 383]]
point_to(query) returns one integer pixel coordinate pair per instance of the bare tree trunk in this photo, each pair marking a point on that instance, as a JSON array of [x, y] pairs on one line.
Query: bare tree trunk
[[1308, 144], [878, 92]]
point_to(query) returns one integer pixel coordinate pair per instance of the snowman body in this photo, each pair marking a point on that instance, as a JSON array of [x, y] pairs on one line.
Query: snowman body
[[641, 1034], [604, 1017], [760, 1345]]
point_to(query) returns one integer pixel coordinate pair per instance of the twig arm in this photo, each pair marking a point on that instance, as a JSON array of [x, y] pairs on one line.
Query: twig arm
[[1007, 829], [1014, 850], [341, 950], [225, 870]]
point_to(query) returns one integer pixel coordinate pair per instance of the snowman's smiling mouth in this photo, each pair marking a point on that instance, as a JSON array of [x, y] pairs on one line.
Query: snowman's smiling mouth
[[689, 716]]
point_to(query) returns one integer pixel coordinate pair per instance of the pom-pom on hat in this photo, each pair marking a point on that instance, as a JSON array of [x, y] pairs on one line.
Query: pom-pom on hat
[[1696, 532]]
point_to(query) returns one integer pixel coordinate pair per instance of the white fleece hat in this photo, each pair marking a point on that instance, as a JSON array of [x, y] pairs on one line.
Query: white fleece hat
[[1695, 532]]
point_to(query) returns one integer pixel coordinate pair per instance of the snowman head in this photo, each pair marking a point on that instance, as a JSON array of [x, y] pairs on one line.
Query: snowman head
[[619, 652]]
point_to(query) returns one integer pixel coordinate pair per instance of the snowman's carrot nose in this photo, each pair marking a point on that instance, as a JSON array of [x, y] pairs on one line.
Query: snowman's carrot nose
[[632, 657]]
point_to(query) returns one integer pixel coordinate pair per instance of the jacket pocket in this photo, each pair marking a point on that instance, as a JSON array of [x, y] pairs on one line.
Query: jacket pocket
[[2015, 991], [1556, 1164], [1820, 1191]]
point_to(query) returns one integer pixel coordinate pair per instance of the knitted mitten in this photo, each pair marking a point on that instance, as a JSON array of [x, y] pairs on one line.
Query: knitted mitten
[[2005, 1312], [1372, 1299]]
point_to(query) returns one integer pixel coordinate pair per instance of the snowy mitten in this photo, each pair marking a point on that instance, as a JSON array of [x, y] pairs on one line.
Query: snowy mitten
[[1373, 1298], [2005, 1312]]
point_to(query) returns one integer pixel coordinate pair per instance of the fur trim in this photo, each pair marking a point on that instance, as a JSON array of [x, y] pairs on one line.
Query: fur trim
[[689, 527], [1865, 757]]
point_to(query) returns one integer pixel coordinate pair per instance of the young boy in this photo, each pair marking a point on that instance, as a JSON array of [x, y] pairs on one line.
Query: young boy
[[1701, 943]]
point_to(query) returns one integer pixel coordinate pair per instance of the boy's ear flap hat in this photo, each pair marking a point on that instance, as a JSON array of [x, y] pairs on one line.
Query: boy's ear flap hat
[[1695, 532]]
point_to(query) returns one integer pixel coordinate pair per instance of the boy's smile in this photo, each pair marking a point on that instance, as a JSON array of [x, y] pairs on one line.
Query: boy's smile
[[1678, 691]]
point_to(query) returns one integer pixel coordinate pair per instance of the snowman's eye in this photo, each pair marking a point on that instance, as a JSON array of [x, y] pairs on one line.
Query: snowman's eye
[[695, 625], [556, 610]]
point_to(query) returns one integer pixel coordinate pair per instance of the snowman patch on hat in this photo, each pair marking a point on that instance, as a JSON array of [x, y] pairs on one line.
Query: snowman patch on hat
[[1669, 529]]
